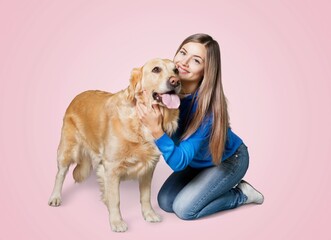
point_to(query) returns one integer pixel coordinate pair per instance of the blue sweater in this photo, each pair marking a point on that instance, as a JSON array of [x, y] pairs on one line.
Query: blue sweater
[[193, 151]]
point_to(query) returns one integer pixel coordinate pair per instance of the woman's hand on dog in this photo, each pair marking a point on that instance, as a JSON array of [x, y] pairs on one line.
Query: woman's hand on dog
[[151, 118]]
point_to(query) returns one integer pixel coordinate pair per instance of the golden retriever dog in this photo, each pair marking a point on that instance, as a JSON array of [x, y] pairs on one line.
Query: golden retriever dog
[[102, 131]]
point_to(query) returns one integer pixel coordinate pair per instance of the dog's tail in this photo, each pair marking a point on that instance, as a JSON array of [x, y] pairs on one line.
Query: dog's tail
[[82, 170]]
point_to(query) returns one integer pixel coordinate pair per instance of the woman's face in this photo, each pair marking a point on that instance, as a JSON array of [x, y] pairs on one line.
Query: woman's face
[[190, 61]]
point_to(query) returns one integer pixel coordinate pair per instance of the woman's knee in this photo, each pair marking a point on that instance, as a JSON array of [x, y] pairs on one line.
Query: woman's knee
[[183, 210], [165, 202]]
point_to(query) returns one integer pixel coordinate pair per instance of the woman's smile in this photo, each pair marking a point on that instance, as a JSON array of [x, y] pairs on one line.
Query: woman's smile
[[181, 70]]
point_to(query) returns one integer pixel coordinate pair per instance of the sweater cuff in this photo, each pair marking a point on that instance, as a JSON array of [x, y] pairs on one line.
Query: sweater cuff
[[163, 139]]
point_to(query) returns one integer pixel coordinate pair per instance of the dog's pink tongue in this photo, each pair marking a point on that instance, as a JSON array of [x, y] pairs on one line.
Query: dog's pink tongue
[[171, 101]]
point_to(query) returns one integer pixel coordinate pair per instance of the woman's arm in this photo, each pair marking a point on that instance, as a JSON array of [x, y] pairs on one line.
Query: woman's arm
[[177, 157]]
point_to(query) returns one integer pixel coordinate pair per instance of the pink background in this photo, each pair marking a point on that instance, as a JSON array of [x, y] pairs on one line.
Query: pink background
[[276, 71]]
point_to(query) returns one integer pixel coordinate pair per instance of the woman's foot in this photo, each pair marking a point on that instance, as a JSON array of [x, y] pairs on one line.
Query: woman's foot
[[253, 196]]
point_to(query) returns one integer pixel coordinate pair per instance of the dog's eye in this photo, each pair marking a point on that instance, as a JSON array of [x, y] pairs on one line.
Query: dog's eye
[[176, 71], [156, 70]]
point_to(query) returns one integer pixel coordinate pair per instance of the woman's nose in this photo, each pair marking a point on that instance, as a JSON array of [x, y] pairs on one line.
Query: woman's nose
[[184, 61]]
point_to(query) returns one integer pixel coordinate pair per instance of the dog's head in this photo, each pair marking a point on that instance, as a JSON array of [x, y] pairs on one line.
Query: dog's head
[[157, 81]]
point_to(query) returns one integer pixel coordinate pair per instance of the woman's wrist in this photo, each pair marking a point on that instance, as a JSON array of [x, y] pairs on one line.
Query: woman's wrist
[[157, 133]]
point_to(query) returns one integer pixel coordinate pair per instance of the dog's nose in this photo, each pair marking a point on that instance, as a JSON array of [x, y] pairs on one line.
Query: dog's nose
[[174, 81]]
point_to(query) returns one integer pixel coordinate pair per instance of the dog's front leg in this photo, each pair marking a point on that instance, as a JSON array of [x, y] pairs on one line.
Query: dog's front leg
[[112, 193], [145, 198]]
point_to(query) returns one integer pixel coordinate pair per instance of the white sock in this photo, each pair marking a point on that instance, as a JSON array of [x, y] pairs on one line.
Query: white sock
[[253, 196]]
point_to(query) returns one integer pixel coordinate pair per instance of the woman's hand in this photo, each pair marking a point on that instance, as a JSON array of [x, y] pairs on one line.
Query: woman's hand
[[151, 118]]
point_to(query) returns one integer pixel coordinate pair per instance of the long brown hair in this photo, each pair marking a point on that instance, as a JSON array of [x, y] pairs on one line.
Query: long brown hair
[[211, 98]]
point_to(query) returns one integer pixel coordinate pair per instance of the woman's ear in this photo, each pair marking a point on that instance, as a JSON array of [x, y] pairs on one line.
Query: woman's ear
[[135, 83]]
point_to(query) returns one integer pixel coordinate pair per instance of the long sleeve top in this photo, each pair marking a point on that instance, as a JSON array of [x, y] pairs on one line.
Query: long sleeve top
[[194, 150]]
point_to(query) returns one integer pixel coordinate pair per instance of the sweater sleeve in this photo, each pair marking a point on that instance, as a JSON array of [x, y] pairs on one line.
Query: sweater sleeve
[[178, 157]]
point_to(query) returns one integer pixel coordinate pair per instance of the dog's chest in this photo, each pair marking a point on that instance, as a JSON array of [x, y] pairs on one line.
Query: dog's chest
[[131, 149], [136, 159]]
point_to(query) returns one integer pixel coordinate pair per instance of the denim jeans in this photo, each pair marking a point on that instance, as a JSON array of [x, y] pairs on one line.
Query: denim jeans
[[195, 193]]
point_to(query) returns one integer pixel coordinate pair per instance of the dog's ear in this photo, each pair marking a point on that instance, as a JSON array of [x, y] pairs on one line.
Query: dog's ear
[[135, 83]]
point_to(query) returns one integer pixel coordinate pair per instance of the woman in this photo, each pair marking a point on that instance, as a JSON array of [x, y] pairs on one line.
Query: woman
[[209, 160]]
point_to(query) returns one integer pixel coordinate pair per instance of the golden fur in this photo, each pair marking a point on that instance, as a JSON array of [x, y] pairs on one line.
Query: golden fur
[[101, 131]]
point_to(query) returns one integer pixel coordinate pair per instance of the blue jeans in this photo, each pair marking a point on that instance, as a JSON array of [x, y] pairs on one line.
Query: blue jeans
[[194, 193]]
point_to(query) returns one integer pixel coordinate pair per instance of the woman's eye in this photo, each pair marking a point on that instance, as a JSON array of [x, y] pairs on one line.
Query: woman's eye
[[182, 52], [156, 70], [197, 61]]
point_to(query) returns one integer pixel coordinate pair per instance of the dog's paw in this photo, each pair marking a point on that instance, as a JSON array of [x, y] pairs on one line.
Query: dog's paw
[[55, 201], [151, 216], [118, 226]]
